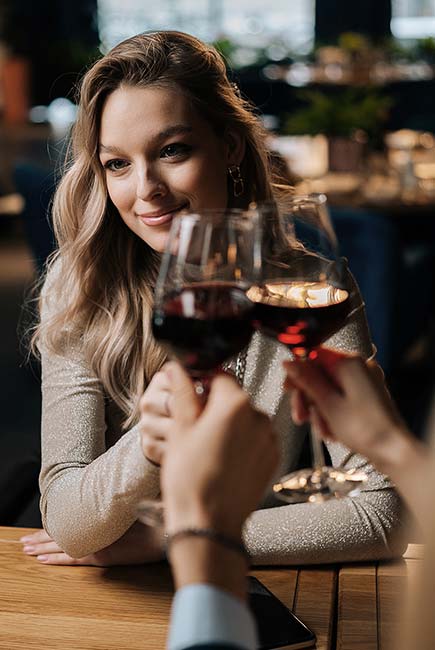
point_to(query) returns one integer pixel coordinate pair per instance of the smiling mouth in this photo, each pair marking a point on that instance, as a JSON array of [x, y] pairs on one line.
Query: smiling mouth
[[162, 217]]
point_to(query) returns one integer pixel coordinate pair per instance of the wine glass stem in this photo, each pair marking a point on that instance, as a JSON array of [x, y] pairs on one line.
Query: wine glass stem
[[317, 451], [316, 443]]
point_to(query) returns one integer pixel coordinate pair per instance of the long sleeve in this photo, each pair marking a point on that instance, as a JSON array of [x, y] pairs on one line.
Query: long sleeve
[[365, 527], [89, 491]]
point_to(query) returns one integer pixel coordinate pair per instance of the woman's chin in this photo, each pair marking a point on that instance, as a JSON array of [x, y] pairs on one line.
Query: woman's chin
[[158, 244]]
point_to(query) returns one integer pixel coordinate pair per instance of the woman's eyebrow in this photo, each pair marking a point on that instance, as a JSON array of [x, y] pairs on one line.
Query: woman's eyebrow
[[103, 149], [177, 129]]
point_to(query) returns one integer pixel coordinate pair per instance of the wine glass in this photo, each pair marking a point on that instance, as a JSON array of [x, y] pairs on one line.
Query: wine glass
[[302, 299], [202, 315]]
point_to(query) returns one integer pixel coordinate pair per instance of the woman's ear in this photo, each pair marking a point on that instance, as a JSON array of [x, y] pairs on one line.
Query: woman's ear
[[235, 147]]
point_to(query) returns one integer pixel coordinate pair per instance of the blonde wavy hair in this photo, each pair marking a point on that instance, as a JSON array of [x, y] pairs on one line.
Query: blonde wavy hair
[[100, 292]]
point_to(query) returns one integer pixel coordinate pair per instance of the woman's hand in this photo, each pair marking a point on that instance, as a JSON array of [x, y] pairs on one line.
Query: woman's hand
[[139, 545], [156, 419]]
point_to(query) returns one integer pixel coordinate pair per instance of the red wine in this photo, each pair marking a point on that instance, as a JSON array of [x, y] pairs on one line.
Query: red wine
[[299, 314], [204, 324]]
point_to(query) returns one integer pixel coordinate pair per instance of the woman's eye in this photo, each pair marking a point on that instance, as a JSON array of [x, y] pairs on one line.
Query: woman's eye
[[176, 149], [115, 165]]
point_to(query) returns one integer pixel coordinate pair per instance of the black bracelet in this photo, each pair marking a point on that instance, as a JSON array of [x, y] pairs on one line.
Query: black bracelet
[[209, 533]]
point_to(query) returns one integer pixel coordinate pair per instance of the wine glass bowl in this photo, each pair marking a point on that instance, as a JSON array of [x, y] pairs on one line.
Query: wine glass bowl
[[301, 315], [202, 314], [303, 297], [203, 325]]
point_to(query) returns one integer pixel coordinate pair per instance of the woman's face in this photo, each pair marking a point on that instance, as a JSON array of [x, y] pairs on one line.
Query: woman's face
[[160, 157]]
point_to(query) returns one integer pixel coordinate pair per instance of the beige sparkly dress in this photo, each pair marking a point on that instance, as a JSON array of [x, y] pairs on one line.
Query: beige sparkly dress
[[92, 476]]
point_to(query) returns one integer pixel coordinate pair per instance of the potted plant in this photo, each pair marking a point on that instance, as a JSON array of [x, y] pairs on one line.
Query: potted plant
[[349, 118]]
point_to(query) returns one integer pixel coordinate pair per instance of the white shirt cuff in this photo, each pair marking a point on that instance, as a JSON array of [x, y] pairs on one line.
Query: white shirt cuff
[[202, 613]]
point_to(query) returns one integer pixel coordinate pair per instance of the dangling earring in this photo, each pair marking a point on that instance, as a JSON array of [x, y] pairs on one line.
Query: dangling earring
[[236, 177]]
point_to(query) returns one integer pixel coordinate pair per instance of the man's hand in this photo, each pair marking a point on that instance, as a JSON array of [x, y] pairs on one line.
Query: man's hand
[[345, 398], [218, 461]]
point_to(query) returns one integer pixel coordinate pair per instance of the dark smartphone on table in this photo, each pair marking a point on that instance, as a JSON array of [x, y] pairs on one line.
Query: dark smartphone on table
[[278, 628]]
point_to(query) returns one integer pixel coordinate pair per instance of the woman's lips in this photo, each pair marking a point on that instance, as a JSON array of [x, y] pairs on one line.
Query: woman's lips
[[160, 219]]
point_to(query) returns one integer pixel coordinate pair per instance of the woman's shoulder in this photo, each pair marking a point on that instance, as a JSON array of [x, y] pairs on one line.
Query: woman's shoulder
[[52, 274], [52, 298], [55, 327]]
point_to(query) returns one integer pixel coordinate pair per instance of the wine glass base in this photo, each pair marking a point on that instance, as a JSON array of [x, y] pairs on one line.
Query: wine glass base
[[318, 485], [151, 513]]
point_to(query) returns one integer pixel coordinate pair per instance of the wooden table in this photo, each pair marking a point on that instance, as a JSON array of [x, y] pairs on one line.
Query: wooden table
[[127, 608]]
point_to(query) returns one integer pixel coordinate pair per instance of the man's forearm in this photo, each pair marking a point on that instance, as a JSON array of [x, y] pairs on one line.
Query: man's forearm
[[200, 560], [407, 462]]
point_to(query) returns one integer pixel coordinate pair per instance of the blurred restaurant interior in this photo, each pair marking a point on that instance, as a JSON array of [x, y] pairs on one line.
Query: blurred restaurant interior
[[347, 91]]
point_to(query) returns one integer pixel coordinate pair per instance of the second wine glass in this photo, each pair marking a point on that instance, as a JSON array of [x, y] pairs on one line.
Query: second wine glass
[[303, 298]]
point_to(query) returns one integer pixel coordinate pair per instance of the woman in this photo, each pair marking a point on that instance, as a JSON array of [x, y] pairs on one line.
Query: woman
[[161, 129]]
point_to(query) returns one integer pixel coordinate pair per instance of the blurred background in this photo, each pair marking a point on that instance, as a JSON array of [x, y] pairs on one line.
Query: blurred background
[[347, 92]]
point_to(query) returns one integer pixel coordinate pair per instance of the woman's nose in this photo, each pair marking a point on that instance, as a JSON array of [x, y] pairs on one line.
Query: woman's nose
[[149, 186]]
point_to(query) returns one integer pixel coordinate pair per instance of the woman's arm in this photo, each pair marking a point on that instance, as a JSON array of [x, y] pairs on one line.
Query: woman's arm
[[366, 527], [89, 492]]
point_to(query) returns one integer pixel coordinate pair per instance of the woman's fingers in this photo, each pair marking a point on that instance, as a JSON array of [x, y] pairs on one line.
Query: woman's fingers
[[38, 549], [58, 559], [184, 402], [154, 450], [156, 402], [36, 538], [161, 404], [41, 545], [156, 426], [156, 398], [156, 416]]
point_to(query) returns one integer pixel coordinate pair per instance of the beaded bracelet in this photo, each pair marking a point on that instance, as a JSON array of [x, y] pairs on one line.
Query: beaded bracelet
[[209, 533]]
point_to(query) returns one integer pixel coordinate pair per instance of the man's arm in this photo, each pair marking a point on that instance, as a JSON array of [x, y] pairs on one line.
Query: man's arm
[[216, 467]]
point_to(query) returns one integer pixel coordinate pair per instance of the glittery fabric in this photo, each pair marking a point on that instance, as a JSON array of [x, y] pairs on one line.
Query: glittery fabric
[[92, 476]]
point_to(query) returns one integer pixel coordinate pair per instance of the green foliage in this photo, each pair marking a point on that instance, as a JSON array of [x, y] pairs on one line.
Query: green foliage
[[226, 47], [339, 114], [353, 42], [426, 48]]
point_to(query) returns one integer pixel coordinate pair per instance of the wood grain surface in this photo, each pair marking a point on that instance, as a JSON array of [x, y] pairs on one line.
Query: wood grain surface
[[127, 608]]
